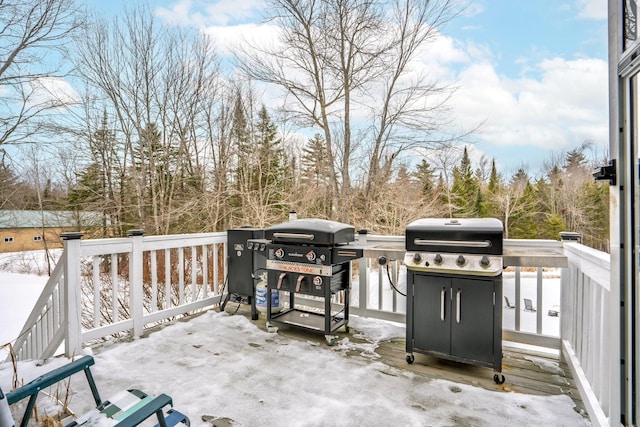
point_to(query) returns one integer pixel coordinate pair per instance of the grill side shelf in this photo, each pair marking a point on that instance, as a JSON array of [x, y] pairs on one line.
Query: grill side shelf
[[307, 320]]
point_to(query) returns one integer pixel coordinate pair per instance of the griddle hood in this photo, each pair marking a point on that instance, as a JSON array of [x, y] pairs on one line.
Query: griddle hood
[[311, 231]]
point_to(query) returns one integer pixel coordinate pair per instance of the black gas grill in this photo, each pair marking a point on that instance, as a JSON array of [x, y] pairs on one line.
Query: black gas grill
[[310, 257], [454, 290]]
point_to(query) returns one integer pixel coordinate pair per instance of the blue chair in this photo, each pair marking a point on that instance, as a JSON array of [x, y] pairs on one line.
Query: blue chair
[[126, 409]]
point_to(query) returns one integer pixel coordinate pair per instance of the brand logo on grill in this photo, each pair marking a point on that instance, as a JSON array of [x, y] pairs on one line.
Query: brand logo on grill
[[297, 267], [279, 253], [311, 256]]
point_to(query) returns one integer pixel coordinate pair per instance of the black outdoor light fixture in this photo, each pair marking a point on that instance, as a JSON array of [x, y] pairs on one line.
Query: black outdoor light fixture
[[606, 172]]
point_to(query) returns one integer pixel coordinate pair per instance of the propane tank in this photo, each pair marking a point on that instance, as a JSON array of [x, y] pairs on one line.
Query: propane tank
[[261, 296]]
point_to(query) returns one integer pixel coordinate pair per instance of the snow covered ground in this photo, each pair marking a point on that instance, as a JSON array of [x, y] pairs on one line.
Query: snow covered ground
[[222, 366]]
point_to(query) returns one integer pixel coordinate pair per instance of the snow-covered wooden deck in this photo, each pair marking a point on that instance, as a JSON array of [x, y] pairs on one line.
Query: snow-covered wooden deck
[[527, 370], [582, 332]]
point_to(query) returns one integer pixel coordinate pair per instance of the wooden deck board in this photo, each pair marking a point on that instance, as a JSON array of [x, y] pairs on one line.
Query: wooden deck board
[[526, 371]]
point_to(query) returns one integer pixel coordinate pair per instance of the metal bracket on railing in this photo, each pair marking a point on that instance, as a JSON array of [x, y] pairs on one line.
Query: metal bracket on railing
[[606, 172]]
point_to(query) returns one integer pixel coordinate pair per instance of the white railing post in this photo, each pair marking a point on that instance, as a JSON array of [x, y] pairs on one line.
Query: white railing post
[[518, 282], [136, 282], [72, 294], [588, 346], [539, 300], [363, 274]]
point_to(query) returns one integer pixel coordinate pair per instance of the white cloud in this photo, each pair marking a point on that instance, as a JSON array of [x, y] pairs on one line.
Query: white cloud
[[227, 38], [592, 9], [222, 12], [438, 57], [562, 105], [471, 8], [53, 91], [200, 13], [555, 103], [180, 13]]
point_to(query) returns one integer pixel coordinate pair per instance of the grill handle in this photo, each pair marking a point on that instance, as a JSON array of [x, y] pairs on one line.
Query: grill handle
[[454, 243], [443, 292], [281, 279], [293, 236], [458, 305]]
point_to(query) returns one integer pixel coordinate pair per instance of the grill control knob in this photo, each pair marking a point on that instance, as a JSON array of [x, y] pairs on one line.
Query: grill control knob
[[438, 259], [417, 258], [484, 261], [461, 261]]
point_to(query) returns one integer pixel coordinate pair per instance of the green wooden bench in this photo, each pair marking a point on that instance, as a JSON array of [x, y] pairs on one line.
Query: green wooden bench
[[127, 408]]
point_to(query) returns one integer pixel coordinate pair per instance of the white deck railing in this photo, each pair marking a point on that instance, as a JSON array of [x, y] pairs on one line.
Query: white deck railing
[[97, 291], [589, 341], [105, 287]]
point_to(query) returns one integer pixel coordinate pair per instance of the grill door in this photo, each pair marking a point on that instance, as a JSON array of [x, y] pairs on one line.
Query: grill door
[[456, 317], [432, 313], [472, 320]]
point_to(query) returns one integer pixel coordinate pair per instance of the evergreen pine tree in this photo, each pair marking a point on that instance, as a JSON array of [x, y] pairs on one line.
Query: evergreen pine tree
[[269, 173], [521, 220], [595, 198], [490, 204], [425, 174], [314, 162], [316, 177], [240, 146], [464, 189], [494, 179], [11, 196]]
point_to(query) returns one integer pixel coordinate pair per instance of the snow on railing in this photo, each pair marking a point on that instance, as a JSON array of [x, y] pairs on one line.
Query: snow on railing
[[43, 331], [179, 274], [533, 272], [589, 340], [105, 287]]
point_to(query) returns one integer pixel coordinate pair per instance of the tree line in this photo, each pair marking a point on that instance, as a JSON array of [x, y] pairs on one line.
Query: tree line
[[163, 132]]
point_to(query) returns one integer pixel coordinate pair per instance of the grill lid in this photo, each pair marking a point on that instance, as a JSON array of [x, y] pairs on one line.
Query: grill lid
[[468, 235], [311, 231]]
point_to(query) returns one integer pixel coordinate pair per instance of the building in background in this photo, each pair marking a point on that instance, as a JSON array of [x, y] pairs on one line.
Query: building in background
[[22, 230]]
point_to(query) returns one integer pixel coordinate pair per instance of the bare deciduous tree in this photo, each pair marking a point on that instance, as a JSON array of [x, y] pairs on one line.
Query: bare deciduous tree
[[33, 40], [156, 83], [345, 66]]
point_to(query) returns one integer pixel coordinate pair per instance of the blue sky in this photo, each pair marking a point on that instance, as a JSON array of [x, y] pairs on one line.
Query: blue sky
[[534, 72], [540, 67], [518, 30]]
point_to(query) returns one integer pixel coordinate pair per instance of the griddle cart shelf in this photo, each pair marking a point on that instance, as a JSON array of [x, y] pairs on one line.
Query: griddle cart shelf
[[323, 321]]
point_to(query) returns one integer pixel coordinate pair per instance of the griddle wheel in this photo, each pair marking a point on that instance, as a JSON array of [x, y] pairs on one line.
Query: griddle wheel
[[410, 358], [272, 329], [498, 378], [330, 340]]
